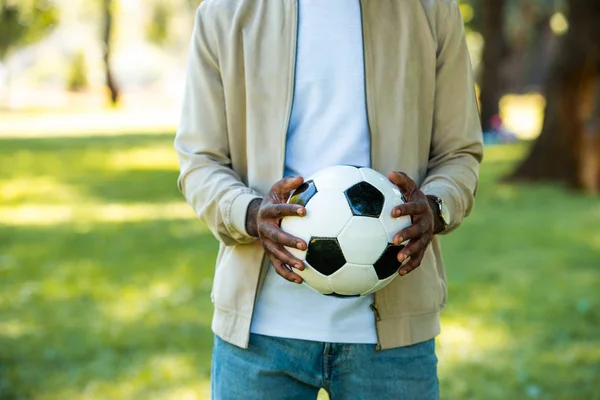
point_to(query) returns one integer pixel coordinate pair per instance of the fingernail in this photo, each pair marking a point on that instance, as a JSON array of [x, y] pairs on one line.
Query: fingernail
[[401, 257], [402, 272], [298, 281], [397, 213], [399, 240], [300, 266], [300, 212], [300, 246]]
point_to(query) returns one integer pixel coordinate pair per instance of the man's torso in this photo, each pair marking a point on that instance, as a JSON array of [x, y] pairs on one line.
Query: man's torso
[[328, 126], [256, 43]]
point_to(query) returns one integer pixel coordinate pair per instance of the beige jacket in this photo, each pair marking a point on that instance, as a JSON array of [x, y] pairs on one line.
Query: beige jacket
[[423, 120]]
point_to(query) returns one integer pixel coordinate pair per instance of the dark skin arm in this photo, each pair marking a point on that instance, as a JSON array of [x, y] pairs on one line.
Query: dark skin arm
[[426, 223], [251, 222], [262, 221]]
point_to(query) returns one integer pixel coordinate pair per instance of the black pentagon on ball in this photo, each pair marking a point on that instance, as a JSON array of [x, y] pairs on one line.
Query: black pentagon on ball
[[388, 263], [303, 194], [365, 200], [325, 255]]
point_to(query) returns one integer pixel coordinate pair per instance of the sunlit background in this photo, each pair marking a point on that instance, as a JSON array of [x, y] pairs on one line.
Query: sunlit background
[[105, 273]]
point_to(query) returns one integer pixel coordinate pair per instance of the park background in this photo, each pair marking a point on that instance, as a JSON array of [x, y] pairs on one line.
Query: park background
[[105, 273]]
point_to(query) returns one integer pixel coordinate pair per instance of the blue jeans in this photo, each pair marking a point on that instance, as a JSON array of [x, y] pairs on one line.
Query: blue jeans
[[276, 368]]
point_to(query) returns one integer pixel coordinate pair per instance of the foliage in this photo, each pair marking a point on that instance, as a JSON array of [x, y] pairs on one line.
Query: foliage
[[77, 79], [24, 22], [193, 3], [518, 12], [106, 276], [158, 27]]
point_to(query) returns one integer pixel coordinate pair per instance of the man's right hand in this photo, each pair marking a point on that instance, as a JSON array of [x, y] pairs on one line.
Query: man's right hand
[[263, 221]]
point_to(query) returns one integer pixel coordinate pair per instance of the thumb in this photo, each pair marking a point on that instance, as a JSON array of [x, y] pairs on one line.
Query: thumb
[[402, 180], [289, 184]]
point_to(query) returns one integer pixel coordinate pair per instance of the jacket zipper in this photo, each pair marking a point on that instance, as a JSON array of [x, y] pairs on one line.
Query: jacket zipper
[[292, 88], [374, 305], [365, 82], [264, 263], [377, 319]]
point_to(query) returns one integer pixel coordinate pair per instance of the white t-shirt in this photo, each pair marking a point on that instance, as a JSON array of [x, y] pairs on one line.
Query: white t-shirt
[[328, 127]]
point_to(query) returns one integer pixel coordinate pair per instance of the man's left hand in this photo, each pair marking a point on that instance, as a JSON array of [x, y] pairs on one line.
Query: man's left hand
[[422, 229]]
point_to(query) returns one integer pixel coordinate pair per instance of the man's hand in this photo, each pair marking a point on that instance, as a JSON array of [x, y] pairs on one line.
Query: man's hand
[[423, 222], [263, 220]]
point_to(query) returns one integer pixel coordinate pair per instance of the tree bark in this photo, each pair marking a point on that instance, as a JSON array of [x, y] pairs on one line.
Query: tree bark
[[568, 148], [494, 53], [111, 83]]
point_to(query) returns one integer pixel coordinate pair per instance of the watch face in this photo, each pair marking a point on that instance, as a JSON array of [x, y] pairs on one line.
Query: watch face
[[444, 211]]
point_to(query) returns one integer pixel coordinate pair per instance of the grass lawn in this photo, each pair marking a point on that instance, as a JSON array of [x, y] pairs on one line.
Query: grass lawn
[[105, 277]]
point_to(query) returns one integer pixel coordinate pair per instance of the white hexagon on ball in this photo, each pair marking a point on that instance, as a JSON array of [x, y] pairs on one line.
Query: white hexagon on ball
[[314, 279], [298, 227], [352, 279], [337, 178], [327, 213], [381, 284], [380, 181], [363, 240], [393, 225]]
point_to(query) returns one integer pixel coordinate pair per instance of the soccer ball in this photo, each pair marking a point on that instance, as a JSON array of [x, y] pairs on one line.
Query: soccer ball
[[349, 230]]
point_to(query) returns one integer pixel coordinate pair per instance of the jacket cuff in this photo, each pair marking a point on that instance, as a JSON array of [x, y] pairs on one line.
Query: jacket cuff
[[449, 197], [237, 216]]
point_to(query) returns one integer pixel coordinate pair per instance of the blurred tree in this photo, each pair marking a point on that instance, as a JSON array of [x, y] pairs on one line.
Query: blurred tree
[[516, 39], [158, 27], [108, 9], [494, 53], [23, 23], [531, 42], [77, 79], [193, 4], [568, 149]]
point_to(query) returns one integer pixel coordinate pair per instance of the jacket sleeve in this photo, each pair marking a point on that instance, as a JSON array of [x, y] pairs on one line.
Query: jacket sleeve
[[207, 180], [456, 148]]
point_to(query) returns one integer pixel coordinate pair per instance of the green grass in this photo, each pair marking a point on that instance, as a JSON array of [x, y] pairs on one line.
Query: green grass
[[105, 277]]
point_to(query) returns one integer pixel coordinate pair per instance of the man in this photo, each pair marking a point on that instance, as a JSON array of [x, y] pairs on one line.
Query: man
[[277, 90]]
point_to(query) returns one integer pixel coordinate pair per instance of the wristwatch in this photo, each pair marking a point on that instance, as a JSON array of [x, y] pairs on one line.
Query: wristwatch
[[442, 212]]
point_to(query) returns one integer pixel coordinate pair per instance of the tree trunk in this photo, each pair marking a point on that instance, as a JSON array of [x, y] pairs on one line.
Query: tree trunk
[[493, 56], [568, 148], [590, 167], [111, 83]]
